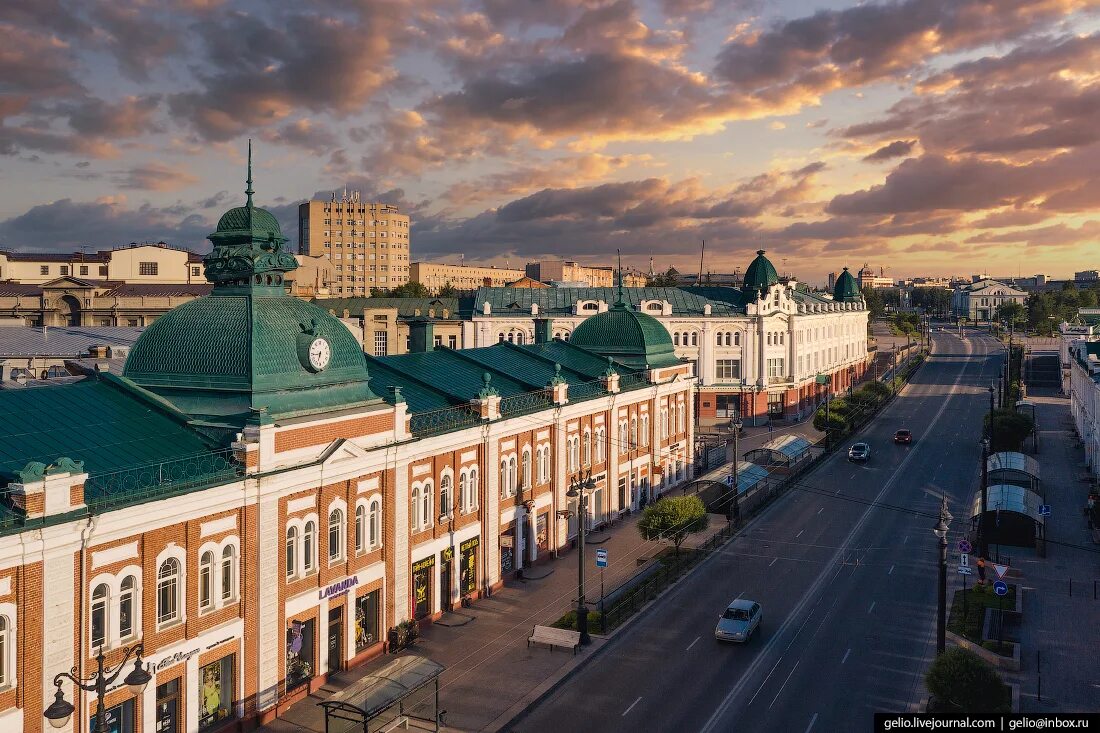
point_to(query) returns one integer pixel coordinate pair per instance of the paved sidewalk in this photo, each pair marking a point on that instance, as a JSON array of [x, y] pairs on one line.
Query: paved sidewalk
[[1060, 632], [491, 674]]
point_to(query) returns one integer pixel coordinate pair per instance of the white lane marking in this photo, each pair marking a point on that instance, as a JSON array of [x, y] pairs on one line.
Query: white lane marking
[[905, 540], [799, 533], [784, 685], [739, 596], [773, 641], [842, 661], [891, 570], [872, 608], [697, 638], [773, 562], [821, 510], [812, 721], [631, 706]]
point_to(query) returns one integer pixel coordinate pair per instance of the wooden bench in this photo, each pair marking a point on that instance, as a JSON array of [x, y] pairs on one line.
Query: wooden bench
[[555, 637]]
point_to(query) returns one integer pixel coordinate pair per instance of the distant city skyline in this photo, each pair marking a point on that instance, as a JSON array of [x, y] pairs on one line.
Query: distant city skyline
[[938, 139]]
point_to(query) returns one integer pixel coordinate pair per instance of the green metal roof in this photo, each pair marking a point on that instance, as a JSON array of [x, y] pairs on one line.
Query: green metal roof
[[721, 294], [636, 339], [846, 288], [406, 307], [759, 276], [560, 301], [94, 421]]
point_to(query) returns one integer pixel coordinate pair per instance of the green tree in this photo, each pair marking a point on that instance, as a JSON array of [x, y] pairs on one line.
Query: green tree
[[961, 682], [836, 424], [1012, 312], [875, 304], [411, 289], [448, 290], [1010, 429], [662, 280], [673, 518]]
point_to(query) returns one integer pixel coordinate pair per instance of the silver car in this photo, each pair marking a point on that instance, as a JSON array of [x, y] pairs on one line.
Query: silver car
[[739, 622]]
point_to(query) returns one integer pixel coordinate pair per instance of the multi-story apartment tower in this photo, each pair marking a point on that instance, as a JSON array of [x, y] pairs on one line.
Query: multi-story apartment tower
[[368, 243]]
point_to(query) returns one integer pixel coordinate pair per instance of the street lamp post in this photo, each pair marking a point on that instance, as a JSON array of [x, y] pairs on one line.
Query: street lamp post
[[734, 507], [578, 490], [940, 530], [983, 548], [61, 710]]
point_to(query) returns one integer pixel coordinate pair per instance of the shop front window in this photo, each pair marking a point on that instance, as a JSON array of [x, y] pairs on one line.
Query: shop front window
[[215, 693], [366, 620], [422, 586], [468, 569], [120, 719], [168, 707], [775, 405], [299, 653]]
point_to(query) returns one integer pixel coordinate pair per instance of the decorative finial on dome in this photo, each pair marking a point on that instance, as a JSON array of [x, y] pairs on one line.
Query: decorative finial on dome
[[760, 252], [619, 293], [248, 191]]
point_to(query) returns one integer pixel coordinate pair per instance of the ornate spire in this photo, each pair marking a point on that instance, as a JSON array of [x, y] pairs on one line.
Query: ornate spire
[[248, 191], [619, 302]]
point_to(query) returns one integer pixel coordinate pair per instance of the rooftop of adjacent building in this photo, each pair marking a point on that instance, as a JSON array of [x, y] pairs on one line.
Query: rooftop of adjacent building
[[62, 341], [437, 307], [99, 256]]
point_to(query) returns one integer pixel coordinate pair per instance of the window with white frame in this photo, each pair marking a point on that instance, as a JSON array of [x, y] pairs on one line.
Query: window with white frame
[[427, 494], [680, 414], [360, 528], [664, 423], [645, 429], [206, 581], [415, 520], [775, 367], [169, 591], [633, 432], [100, 600], [463, 492], [728, 369], [526, 466], [623, 437], [586, 448], [504, 478], [127, 607], [7, 651], [228, 574], [292, 538], [309, 547], [573, 454], [474, 488], [601, 443], [374, 531], [446, 495]]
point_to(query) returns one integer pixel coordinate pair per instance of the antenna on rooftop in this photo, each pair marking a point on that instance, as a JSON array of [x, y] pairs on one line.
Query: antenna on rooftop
[[702, 249]]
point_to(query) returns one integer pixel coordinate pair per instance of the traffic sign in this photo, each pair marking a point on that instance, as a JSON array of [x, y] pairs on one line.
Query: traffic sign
[[1044, 510], [965, 547], [729, 479], [964, 560], [965, 569], [1000, 570], [1000, 588], [601, 557]]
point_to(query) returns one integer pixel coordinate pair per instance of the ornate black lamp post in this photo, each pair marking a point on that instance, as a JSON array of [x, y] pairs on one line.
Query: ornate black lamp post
[[940, 530], [579, 490], [60, 710]]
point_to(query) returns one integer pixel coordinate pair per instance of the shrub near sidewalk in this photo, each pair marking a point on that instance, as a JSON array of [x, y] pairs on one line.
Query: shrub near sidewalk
[[673, 518], [961, 682], [977, 600]]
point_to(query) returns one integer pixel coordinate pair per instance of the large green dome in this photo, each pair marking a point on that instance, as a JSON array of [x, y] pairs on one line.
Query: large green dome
[[846, 288], [760, 276], [248, 219], [636, 339]]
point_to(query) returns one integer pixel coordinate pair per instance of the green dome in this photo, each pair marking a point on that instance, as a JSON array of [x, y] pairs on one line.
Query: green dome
[[760, 276], [229, 354], [846, 288], [249, 219], [632, 338]]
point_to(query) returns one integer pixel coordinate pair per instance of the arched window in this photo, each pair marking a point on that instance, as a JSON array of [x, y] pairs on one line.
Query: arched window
[[519, 338], [572, 455], [446, 503], [718, 339], [426, 504], [335, 535], [375, 535], [601, 439], [513, 477], [586, 448], [737, 338], [694, 338], [414, 516], [504, 477], [473, 489], [623, 440], [229, 573], [126, 605], [664, 423], [206, 580], [500, 337], [729, 339], [645, 429], [360, 527], [463, 497], [99, 616], [633, 432], [168, 591], [680, 418], [526, 468], [291, 551], [7, 644], [309, 544], [769, 337], [676, 338]]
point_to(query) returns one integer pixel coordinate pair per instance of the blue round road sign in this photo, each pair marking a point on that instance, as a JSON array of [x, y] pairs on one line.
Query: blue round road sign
[[1000, 588], [964, 546]]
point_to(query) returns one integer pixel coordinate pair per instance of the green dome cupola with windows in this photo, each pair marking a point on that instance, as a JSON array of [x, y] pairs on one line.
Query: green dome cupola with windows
[[249, 347], [635, 339], [759, 276], [846, 289]]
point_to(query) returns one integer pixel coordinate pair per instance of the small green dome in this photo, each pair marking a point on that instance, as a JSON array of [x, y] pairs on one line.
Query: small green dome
[[846, 288], [760, 276], [249, 219], [635, 339]]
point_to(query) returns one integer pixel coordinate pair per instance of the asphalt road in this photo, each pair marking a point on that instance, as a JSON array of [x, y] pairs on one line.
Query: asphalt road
[[846, 575]]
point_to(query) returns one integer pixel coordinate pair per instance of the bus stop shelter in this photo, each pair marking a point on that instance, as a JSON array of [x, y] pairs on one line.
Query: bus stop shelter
[[718, 495], [395, 695], [782, 452], [1012, 515], [1018, 469]]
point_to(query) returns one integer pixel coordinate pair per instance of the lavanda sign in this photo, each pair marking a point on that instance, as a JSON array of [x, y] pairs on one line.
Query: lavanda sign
[[338, 589]]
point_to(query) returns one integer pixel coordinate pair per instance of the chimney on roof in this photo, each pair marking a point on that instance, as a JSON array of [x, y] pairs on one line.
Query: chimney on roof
[[543, 330], [421, 336]]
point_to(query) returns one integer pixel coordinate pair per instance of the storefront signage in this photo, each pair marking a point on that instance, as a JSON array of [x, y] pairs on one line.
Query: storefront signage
[[424, 564], [339, 588], [176, 658], [471, 543], [506, 540]]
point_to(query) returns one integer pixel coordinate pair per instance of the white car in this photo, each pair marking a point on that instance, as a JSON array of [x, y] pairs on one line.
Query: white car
[[739, 621], [859, 452]]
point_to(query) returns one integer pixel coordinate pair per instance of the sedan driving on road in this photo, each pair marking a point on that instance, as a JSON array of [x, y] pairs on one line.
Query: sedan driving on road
[[739, 622], [859, 452], [903, 436]]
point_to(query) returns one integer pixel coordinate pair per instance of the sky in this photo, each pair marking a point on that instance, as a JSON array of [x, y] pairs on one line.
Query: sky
[[924, 137]]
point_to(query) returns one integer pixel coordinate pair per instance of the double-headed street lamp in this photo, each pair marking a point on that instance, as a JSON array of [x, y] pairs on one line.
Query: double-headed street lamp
[[579, 490], [940, 530], [734, 508], [60, 710]]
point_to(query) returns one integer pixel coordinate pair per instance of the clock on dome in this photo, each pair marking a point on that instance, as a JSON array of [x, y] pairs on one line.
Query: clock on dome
[[318, 354]]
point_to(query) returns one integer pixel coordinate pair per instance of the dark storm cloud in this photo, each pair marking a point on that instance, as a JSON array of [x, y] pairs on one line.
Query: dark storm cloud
[[896, 149]]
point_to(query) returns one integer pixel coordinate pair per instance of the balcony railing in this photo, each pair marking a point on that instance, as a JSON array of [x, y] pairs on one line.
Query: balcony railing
[[423, 424], [632, 381], [526, 402], [585, 390], [106, 490]]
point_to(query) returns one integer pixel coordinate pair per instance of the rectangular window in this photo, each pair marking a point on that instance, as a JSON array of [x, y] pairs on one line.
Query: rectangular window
[[299, 653], [44, 270], [728, 406], [83, 269], [168, 707], [775, 368], [728, 369], [775, 405], [196, 271], [366, 621], [64, 269], [381, 339], [452, 342], [103, 270], [216, 693], [148, 268]]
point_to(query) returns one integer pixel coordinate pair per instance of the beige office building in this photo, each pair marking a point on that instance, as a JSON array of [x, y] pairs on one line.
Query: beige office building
[[568, 271], [434, 275], [368, 243], [158, 263]]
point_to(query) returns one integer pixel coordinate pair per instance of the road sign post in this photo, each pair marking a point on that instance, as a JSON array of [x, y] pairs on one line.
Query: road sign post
[[1044, 510], [601, 563]]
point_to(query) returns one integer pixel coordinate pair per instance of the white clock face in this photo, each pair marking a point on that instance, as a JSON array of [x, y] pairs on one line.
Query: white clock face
[[319, 354]]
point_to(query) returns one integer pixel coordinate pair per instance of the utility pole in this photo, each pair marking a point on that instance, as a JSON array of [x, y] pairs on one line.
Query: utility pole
[[940, 530], [578, 490], [735, 507], [982, 545]]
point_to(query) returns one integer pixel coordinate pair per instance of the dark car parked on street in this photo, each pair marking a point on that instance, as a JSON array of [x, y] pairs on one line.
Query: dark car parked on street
[[903, 436]]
